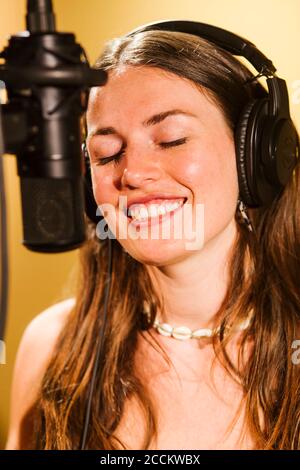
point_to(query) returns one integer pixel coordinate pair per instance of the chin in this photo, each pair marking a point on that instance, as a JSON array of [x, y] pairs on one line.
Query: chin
[[158, 252]]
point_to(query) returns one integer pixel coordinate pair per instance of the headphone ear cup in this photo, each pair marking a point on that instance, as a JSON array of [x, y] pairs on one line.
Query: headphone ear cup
[[247, 146]]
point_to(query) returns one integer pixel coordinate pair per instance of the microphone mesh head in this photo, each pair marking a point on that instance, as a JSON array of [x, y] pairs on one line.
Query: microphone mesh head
[[53, 213]]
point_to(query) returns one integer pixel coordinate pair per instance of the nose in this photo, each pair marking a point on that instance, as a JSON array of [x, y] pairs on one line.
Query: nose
[[140, 170]]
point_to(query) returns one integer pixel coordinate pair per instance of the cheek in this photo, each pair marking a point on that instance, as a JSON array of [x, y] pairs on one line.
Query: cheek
[[208, 168], [210, 174], [103, 188]]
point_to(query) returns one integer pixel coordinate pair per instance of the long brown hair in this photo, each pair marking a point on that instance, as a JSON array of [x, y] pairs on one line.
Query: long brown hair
[[271, 288]]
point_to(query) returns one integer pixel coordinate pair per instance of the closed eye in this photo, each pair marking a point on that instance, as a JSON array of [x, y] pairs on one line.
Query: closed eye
[[116, 158]]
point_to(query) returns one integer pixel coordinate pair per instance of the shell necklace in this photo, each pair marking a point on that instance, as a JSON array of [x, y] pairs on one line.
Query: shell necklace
[[184, 332]]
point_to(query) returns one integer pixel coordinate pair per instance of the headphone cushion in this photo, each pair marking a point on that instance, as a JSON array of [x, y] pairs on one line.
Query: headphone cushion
[[243, 152]]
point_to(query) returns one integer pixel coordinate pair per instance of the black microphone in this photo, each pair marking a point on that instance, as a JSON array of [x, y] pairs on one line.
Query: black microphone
[[47, 77]]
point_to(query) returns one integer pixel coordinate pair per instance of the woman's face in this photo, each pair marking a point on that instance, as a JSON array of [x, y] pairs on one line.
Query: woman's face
[[200, 168]]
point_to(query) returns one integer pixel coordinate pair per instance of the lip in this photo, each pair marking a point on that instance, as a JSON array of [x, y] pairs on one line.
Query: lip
[[150, 197], [158, 219]]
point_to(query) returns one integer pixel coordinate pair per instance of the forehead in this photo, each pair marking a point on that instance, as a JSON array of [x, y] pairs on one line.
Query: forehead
[[139, 91]]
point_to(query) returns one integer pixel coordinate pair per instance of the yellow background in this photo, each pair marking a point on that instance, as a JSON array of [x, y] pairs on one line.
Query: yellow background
[[39, 280]]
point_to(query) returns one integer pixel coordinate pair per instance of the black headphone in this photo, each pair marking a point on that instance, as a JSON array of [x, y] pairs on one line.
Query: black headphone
[[266, 140]]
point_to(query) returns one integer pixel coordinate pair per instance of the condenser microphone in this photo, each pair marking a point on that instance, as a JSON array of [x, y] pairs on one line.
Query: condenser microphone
[[48, 77]]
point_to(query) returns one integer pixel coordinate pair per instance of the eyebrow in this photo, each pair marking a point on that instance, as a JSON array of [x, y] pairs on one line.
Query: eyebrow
[[155, 119]]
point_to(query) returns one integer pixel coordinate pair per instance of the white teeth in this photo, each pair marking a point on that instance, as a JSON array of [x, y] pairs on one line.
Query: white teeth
[[153, 210], [143, 212]]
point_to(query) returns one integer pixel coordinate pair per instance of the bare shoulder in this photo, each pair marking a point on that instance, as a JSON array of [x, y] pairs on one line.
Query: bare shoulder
[[39, 337], [47, 325], [34, 352]]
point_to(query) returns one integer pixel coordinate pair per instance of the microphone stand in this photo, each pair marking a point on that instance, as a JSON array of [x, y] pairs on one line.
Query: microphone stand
[[4, 252], [47, 77]]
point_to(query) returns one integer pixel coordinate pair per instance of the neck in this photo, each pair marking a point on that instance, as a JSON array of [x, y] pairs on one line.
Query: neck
[[193, 288]]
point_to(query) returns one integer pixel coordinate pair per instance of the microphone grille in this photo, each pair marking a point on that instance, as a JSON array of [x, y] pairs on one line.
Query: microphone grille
[[53, 212]]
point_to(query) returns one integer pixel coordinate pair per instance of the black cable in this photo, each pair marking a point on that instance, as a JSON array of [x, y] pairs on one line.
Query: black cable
[[98, 351], [3, 246]]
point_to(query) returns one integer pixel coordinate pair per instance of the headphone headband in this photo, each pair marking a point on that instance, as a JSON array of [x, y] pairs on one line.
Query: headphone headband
[[231, 42], [278, 103]]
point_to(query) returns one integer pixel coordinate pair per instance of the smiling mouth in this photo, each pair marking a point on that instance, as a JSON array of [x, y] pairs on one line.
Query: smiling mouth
[[157, 217]]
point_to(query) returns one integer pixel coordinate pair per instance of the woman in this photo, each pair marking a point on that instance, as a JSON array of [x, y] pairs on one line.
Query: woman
[[163, 128]]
